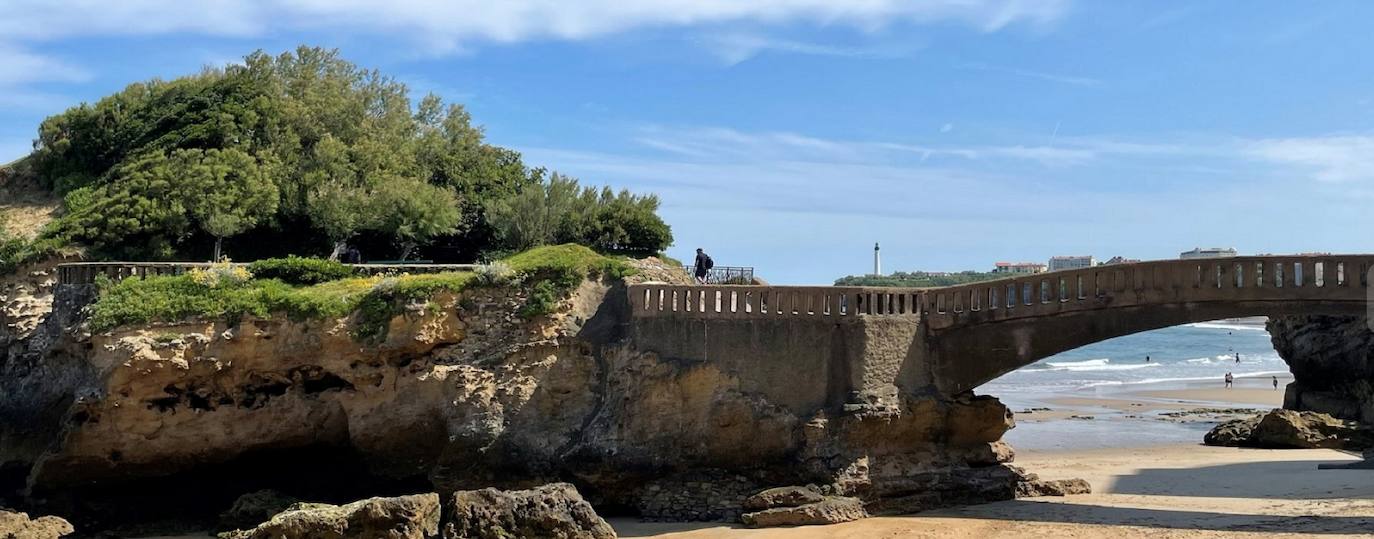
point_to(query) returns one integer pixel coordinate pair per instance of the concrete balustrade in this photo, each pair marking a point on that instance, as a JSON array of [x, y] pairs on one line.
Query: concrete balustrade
[[1264, 278], [86, 272]]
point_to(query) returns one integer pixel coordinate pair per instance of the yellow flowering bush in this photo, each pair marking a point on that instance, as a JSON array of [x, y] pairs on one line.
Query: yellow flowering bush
[[220, 274]]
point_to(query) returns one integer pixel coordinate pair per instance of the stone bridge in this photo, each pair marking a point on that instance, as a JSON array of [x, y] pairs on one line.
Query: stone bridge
[[816, 346]]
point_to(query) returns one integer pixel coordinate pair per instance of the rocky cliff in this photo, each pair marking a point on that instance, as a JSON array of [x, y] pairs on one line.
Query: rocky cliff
[[143, 422], [1332, 359]]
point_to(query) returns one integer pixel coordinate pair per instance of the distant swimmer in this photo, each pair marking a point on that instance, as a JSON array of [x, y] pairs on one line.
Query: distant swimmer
[[1147, 359], [1276, 383], [1229, 380]]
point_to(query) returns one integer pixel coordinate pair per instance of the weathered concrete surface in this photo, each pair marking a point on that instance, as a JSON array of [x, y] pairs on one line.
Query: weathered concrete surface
[[874, 342]]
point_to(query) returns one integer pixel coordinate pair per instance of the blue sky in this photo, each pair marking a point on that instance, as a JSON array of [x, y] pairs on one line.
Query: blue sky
[[790, 135]]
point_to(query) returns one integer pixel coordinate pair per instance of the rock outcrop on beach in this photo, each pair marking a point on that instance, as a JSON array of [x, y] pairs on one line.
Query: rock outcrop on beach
[[1332, 360], [403, 517], [14, 525], [462, 394], [555, 510], [1288, 429]]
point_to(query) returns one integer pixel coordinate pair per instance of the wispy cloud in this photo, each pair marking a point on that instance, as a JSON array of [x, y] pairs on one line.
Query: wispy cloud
[[460, 21], [730, 144], [1334, 158], [18, 66], [1027, 73], [735, 48]]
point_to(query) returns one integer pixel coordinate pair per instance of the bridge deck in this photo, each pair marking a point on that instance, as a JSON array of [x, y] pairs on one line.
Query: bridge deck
[[1335, 278]]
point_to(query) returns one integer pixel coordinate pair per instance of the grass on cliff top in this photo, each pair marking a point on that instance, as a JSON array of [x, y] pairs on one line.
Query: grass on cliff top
[[549, 271]]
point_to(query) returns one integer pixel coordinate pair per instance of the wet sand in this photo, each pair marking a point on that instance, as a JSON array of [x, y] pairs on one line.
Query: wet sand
[[1188, 491]]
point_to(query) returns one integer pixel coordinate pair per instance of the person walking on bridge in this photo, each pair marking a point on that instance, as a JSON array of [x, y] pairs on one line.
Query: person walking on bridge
[[702, 266]]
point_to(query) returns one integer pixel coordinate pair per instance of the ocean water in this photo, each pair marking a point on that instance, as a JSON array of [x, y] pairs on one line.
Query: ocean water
[[1178, 356], [1205, 351]]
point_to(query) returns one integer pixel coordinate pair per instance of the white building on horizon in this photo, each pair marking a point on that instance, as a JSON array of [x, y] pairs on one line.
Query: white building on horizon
[[1214, 252], [1018, 267], [1071, 262]]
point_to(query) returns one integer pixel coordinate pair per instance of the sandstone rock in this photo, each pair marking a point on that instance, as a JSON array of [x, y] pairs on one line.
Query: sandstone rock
[[254, 507], [1282, 429], [1233, 433], [555, 511], [18, 526], [1332, 360], [1054, 487], [782, 497], [403, 517], [831, 510], [469, 395]]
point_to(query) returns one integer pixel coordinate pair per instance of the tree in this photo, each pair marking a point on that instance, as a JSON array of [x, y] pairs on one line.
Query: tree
[[226, 191], [559, 211], [413, 212], [340, 211], [149, 170]]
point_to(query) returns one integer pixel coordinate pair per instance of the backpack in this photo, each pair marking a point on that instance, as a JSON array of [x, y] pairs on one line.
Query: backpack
[[708, 263]]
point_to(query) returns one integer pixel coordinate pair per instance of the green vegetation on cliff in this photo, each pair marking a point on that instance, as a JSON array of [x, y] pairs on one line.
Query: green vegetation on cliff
[[918, 279], [298, 153], [230, 293]]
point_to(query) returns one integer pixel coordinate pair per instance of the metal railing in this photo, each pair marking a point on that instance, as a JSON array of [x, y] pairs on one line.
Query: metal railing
[[726, 275], [86, 272]]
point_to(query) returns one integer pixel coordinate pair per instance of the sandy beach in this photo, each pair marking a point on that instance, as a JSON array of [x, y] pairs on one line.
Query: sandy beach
[[1165, 491], [1144, 489]]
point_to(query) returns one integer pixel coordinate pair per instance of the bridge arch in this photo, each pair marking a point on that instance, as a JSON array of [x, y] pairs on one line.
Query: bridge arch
[[1070, 309], [880, 341]]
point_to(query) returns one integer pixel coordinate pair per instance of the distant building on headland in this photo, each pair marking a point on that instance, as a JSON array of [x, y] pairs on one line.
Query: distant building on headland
[[1120, 260], [1214, 252], [1071, 262], [1019, 267]]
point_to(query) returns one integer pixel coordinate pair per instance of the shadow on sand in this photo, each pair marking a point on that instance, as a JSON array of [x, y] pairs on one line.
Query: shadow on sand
[[1273, 481]]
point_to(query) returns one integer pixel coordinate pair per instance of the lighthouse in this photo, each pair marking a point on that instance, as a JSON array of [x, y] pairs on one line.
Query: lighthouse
[[877, 261]]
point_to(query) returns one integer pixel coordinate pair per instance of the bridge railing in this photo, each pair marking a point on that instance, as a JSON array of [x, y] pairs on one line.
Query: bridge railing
[[1341, 278], [86, 272], [651, 300]]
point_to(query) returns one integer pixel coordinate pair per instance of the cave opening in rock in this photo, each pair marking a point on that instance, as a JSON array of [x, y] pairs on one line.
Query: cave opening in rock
[[194, 499]]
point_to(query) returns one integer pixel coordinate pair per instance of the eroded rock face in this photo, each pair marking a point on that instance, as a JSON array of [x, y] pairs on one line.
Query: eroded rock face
[[554, 511], [1288, 429], [464, 394], [1332, 359], [827, 510], [14, 525], [403, 517]]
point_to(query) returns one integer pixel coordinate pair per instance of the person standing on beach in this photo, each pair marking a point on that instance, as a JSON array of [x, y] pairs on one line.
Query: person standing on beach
[[1276, 383], [1229, 380]]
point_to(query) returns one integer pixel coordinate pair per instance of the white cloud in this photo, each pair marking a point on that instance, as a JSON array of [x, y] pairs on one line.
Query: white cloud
[[451, 23], [19, 67], [735, 48], [1335, 158], [1028, 73], [729, 144]]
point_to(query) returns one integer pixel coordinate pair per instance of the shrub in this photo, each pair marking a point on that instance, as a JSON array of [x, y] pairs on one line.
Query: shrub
[[300, 271], [220, 275], [495, 274]]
